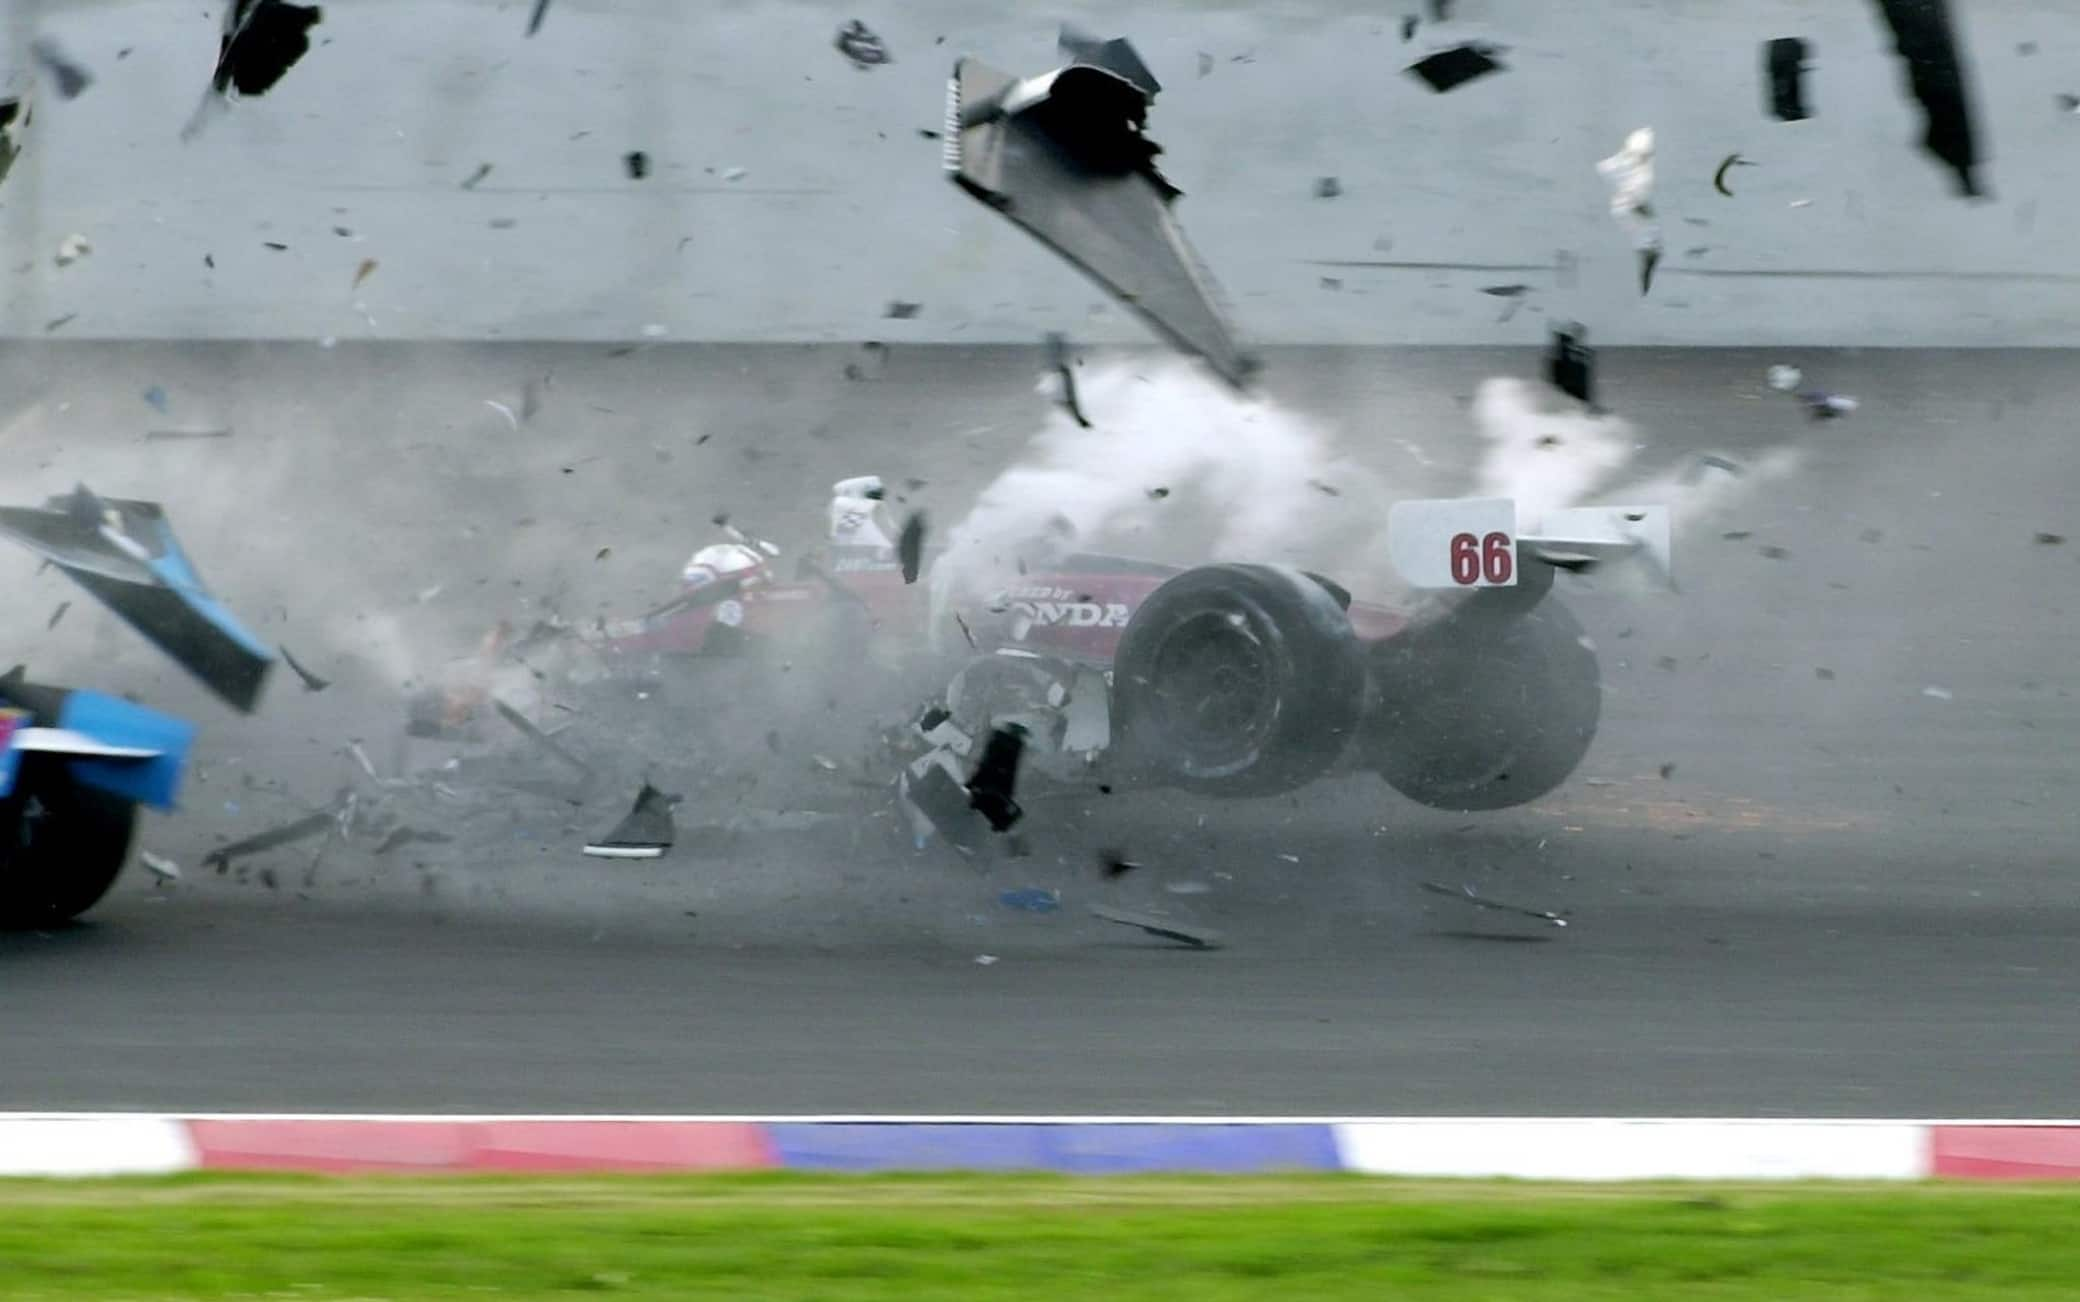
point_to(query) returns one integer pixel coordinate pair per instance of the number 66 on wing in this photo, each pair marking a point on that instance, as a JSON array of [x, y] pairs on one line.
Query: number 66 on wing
[[1478, 542]]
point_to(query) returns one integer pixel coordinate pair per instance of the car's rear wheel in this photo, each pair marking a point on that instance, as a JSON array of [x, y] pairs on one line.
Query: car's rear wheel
[[62, 845], [1236, 680], [1486, 708]]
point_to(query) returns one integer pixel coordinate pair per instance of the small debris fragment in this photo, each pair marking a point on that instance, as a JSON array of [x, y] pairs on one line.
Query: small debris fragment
[[476, 178], [1668, 771], [1450, 69], [364, 271], [638, 164], [161, 868], [859, 44], [1506, 291], [541, 739], [898, 310], [1785, 379], [1479, 901], [311, 682], [156, 398], [57, 615], [71, 249], [645, 833], [1158, 494], [990, 787], [287, 834], [262, 40], [1327, 187], [1784, 63], [56, 324], [1205, 63], [1726, 165], [1058, 358], [1187, 888], [534, 21], [910, 546], [1937, 693], [1571, 363], [1408, 28], [1821, 405], [1156, 924], [1116, 864], [70, 77], [1031, 899], [2048, 539], [1773, 552], [1924, 37], [1824, 674], [985, 960]]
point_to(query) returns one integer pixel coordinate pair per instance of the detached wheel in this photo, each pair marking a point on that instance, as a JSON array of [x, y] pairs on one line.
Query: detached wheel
[[62, 845], [1237, 680], [1484, 709]]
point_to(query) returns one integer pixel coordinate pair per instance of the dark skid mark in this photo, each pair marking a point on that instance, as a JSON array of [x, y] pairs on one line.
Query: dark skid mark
[[1926, 39]]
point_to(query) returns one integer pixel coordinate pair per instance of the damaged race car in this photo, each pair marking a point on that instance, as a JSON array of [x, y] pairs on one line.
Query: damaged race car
[[74, 764], [1244, 680]]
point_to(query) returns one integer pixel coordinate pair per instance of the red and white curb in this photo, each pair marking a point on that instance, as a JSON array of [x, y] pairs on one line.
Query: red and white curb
[[1587, 1148]]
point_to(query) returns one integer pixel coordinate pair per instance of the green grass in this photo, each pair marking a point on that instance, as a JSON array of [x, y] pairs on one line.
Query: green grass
[[787, 1236]]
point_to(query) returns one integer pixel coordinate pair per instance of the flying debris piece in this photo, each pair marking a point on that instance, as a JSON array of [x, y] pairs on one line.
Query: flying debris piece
[[2041, 539], [1155, 924], [1058, 358], [910, 546], [1116, 864], [364, 271], [476, 178], [1571, 363], [646, 833], [991, 785], [1408, 28], [311, 682], [1821, 405], [1926, 39], [156, 397], [161, 868], [1479, 901], [71, 249], [64, 606], [1158, 494], [288, 834], [124, 553], [534, 21], [1784, 62], [1785, 379], [1031, 899], [1327, 187], [1938, 693], [898, 310], [262, 40], [1726, 165], [1506, 291], [857, 43], [1064, 156], [15, 114], [1696, 470], [1453, 68], [400, 837], [638, 164], [1631, 174], [538, 737], [70, 77]]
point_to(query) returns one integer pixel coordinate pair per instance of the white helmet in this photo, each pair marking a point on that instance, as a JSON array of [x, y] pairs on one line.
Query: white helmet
[[719, 561]]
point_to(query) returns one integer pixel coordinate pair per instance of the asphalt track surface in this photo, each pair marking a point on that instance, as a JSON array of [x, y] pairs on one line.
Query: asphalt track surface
[[1851, 895]]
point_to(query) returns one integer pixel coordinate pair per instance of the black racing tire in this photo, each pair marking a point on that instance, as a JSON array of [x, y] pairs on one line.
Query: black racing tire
[[62, 845], [1236, 680], [1483, 709]]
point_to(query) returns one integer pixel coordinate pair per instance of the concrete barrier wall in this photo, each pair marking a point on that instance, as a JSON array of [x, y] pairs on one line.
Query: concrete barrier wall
[[841, 207]]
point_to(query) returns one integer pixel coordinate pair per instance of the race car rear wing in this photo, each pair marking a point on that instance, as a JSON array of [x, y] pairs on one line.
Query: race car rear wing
[[1468, 543], [108, 743]]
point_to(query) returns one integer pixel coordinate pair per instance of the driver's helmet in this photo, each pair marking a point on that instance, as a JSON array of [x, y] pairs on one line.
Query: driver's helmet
[[719, 561]]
